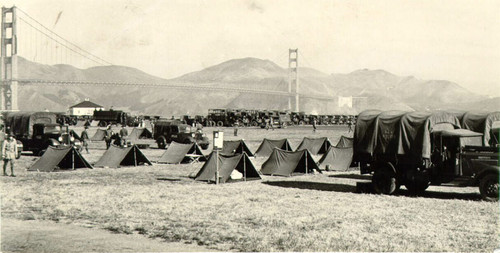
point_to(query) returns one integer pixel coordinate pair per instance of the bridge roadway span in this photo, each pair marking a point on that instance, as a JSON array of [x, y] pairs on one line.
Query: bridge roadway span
[[208, 87]]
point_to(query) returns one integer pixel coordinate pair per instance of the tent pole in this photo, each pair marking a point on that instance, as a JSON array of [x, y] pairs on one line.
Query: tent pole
[[217, 166], [135, 156], [244, 166], [72, 159], [306, 161]]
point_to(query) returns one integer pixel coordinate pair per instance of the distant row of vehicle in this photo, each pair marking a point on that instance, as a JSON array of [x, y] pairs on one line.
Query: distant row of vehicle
[[216, 117]]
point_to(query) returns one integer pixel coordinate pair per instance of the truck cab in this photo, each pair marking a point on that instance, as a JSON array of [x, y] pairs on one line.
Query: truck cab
[[44, 135], [460, 159]]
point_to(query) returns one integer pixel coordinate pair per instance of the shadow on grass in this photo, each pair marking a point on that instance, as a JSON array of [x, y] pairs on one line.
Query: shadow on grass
[[441, 195], [353, 176], [313, 186]]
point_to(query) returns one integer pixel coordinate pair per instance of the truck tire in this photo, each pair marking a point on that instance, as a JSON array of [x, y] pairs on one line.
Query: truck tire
[[488, 187], [102, 123], [220, 123], [255, 123], [162, 142], [416, 182], [384, 180], [302, 122]]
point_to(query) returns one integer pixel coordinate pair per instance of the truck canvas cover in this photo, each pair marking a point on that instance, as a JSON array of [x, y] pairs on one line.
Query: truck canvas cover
[[21, 123], [396, 133], [481, 122]]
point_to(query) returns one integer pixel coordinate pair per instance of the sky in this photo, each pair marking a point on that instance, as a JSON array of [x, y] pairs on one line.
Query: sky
[[455, 40]]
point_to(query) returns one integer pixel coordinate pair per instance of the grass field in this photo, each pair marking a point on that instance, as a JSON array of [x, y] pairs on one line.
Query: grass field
[[319, 212]]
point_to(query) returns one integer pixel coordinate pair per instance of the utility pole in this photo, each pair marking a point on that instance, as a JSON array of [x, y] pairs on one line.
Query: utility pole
[[8, 69], [293, 78]]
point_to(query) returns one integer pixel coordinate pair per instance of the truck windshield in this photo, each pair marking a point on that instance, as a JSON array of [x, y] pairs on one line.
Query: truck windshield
[[52, 129]]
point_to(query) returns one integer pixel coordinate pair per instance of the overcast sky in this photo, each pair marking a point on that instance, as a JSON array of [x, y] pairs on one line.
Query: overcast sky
[[452, 40]]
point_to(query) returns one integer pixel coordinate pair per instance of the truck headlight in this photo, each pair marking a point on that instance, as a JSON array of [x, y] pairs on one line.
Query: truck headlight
[[60, 138], [72, 138]]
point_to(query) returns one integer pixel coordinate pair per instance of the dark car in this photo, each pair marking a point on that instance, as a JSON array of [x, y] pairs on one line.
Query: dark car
[[172, 130]]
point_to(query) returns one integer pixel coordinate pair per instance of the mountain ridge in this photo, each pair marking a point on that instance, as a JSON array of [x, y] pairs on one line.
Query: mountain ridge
[[382, 89]]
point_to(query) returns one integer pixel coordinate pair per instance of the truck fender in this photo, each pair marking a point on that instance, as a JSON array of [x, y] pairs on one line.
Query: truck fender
[[386, 166], [488, 169], [54, 142]]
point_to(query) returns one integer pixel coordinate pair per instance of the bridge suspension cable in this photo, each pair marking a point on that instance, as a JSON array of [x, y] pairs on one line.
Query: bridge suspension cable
[[42, 45]]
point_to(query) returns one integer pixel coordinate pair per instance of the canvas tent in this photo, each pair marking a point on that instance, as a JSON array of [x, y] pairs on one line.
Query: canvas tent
[[337, 158], [235, 147], [117, 156], [99, 135], [231, 167], [481, 122], [60, 158], [285, 163], [267, 146], [140, 133], [344, 142], [315, 145], [179, 153]]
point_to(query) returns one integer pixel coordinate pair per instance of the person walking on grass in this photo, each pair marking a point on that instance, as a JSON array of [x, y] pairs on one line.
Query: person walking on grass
[[84, 137], [9, 151], [349, 124], [314, 125]]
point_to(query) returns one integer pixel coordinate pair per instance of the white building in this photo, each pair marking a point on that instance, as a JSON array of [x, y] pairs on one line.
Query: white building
[[85, 108]]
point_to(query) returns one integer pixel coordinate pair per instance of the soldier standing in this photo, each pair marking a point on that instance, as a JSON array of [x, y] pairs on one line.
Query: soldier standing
[[107, 137], [9, 151], [84, 137], [123, 135]]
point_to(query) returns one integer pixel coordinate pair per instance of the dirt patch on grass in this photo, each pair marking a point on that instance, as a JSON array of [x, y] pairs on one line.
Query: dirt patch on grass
[[45, 236]]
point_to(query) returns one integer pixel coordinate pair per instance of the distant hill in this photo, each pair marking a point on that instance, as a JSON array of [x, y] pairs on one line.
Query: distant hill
[[376, 89]]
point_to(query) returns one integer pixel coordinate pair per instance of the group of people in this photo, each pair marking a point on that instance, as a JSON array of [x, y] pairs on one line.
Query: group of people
[[108, 137]]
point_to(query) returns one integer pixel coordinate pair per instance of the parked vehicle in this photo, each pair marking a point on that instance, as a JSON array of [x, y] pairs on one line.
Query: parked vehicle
[[418, 149], [35, 130], [115, 117], [166, 131]]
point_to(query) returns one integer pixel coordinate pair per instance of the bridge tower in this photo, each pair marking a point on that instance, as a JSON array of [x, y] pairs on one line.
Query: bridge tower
[[8, 69], [293, 78]]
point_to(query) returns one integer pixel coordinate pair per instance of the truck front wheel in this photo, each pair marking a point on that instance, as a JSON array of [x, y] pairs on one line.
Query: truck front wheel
[[384, 181], [488, 187], [417, 182]]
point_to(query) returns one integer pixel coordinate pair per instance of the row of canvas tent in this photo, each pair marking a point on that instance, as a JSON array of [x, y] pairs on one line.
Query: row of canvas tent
[[280, 162], [67, 157]]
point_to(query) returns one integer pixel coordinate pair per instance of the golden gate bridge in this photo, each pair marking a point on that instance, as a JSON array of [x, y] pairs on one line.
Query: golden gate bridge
[[23, 35]]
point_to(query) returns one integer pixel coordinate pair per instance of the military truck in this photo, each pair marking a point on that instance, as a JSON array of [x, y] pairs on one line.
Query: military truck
[[114, 117], [166, 131], [418, 149], [36, 130]]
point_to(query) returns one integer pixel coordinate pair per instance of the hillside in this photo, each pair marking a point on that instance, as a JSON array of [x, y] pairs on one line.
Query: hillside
[[376, 89]]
